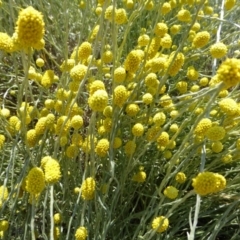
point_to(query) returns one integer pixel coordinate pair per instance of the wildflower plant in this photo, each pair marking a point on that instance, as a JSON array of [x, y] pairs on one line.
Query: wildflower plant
[[119, 119]]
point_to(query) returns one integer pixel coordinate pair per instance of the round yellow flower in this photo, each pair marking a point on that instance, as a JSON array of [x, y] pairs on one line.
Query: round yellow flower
[[160, 224], [29, 27], [35, 182], [203, 126], [132, 109], [201, 39], [98, 101], [161, 29], [137, 130], [218, 50], [52, 171], [228, 106], [139, 177], [120, 95], [88, 188], [81, 233], [229, 72], [215, 133], [180, 177], [102, 147], [130, 147], [171, 192], [208, 182]]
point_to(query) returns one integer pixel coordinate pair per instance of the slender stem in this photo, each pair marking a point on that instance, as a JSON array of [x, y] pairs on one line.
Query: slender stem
[[32, 218], [51, 213]]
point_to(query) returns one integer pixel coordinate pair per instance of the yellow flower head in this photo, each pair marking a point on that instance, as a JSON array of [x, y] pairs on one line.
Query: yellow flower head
[[119, 75], [132, 109], [51, 170], [30, 28], [181, 177], [98, 101], [130, 147], [176, 64], [208, 182], [161, 29], [137, 130], [171, 192], [229, 72], [6, 43], [88, 188], [35, 182], [4, 225], [139, 177], [202, 127], [215, 133], [160, 224], [218, 50], [81, 233], [102, 147], [228, 106], [201, 39], [120, 95]]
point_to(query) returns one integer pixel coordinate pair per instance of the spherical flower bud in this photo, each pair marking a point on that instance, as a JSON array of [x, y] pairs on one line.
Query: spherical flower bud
[[180, 177], [132, 61], [57, 218], [117, 142], [229, 72], [40, 126], [52, 171], [47, 79], [163, 139], [81, 233], [171, 192], [182, 87], [2, 140], [35, 182], [84, 50], [160, 224], [166, 41], [76, 122], [120, 16], [72, 151], [132, 109], [130, 147], [228, 106], [229, 4], [160, 29], [215, 133], [102, 147], [29, 27], [208, 182], [139, 177], [203, 126], [192, 73], [165, 101], [98, 101], [78, 72], [217, 147], [147, 98], [4, 225], [40, 62], [96, 85], [6, 43], [176, 65], [143, 40], [119, 75], [120, 95], [137, 130], [31, 138], [159, 118], [3, 194], [88, 188], [166, 8], [184, 15], [175, 29], [201, 39], [218, 50], [107, 112]]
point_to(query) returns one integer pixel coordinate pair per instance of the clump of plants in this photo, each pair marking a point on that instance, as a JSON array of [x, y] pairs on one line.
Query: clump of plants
[[119, 120]]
